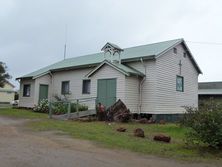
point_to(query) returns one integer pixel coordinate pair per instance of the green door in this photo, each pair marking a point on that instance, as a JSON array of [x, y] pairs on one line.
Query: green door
[[43, 92], [106, 92]]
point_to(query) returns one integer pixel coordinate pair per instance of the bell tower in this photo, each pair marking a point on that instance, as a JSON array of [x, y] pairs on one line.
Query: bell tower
[[112, 49]]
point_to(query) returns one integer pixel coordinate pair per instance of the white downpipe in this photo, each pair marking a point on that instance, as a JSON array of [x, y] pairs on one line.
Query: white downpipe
[[51, 87], [140, 87]]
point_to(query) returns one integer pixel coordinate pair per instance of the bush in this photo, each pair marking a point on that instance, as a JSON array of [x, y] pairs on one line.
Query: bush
[[205, 124], [42, 107], [62, 107], [59, 108], [81, 107]]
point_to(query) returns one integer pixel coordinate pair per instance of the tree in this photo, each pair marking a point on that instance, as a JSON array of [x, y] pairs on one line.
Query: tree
[[3, 74]]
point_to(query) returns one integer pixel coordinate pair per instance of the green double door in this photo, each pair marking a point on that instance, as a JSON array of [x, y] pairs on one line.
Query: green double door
[[43, 92], [106, 92]]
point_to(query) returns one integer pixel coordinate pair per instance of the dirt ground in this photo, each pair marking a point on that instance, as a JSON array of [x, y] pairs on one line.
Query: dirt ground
[[20, 147]]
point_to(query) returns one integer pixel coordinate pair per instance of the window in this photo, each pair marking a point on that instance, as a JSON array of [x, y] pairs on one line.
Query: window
[[184, 54], [175, 50], [65, 87], [86, 87], [180, 84], [26, 90]]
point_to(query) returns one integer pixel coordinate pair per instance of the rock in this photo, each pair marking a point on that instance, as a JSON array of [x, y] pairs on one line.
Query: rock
[[139, 132], [162, 122], [143, 121], [121, 129], [118, 112], [150, 121], [162, 137], [86, 119]]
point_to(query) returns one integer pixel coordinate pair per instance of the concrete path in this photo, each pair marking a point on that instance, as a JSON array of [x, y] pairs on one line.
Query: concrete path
[[20, 147]]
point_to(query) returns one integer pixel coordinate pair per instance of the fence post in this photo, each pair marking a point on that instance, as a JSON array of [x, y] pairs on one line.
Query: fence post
[[77, 107], [50, 110], [69, 109]]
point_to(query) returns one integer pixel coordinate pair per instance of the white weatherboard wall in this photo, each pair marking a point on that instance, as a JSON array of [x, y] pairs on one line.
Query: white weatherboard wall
[[75, 78], [168, 100], [27, 101], [6, 94], [149, 86], [132, 93]]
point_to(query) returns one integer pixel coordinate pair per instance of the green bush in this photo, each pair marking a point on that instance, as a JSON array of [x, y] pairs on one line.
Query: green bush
[[205, 124], [42, 107], [62, 107], [81, 107], [59, 108]]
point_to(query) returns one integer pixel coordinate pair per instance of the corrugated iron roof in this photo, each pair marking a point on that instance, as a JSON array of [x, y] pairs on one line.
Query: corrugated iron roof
[[128, 71], [210, 85], [145, 51]]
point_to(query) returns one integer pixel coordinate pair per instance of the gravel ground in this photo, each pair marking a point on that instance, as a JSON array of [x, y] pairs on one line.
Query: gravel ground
[[20, 147]]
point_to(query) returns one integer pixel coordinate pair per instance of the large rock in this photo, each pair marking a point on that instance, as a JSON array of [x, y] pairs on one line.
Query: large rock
[[121, 129], [162, 137], [118, 112], [139, 132]]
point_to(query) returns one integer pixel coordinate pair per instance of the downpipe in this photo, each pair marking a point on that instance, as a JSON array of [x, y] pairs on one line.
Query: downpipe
[[141, 86]]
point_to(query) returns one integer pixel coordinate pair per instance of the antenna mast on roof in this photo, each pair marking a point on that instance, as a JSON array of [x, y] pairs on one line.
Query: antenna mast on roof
[[65, 42]]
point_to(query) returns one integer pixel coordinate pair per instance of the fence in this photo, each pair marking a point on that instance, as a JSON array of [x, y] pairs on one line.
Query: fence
[[73, 104]]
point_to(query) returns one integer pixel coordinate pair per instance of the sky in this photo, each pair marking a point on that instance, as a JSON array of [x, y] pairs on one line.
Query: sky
[[32, 33]]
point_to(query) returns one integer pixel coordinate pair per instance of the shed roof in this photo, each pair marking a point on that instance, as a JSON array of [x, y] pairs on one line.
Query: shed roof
[[149, 51], [210, 88]]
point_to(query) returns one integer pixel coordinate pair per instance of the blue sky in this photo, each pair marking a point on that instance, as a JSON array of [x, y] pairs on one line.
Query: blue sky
[[32, 33]]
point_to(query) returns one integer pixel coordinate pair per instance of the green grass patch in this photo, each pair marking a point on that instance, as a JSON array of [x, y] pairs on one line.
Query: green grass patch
[[21, 113], [106, 135]]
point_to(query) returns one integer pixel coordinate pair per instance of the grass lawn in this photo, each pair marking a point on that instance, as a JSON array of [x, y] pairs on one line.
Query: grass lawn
[[106, 135], [21, 113]]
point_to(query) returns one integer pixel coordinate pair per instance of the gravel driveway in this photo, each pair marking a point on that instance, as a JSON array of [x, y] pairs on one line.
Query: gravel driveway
[[20, 147]]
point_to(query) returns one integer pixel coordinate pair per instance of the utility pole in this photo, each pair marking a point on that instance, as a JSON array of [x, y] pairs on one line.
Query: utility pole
[[65, 42]]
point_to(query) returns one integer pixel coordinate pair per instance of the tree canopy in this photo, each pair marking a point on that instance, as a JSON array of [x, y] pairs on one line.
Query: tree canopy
[[3, 74]]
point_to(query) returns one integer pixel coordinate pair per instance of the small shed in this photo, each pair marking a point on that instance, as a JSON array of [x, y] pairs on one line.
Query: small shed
[[210, 90]]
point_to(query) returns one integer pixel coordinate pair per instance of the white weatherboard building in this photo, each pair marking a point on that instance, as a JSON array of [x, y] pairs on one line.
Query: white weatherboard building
[[157, 79]]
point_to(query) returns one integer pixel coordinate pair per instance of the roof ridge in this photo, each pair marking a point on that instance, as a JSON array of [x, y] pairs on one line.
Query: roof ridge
[[128, 47], [155, 43]]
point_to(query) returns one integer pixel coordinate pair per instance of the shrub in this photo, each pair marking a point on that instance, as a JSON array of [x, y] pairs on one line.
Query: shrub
[[81, 107], [59, 108], [62, 107], [205, 124], [42, 107]]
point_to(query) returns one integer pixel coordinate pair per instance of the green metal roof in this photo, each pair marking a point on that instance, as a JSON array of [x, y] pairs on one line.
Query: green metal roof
[[210, 88], [145, 51], [210, 85], [128, 71]]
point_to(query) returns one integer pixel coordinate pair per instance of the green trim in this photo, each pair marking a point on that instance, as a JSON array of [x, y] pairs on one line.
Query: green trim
[[167, 117], [41, 93]]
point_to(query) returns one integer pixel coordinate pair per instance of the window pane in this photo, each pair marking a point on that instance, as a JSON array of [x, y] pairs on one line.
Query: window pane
[[26, 90], [86, 87], [65, 87], [179, 83]]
